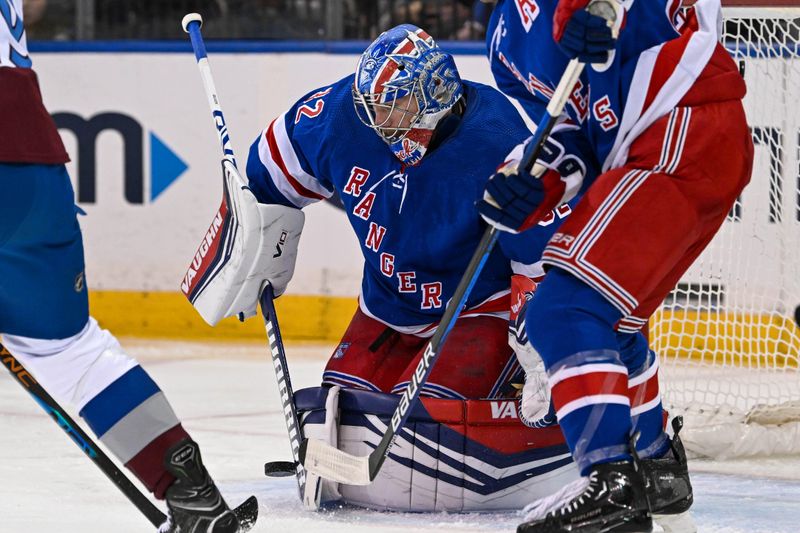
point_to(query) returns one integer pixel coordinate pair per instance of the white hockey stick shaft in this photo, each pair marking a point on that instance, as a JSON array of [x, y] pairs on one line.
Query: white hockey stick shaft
[[191, 24]]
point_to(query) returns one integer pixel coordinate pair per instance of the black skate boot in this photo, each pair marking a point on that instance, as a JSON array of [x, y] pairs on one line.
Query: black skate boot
[[669, 490], [611, 498], [194, 502]]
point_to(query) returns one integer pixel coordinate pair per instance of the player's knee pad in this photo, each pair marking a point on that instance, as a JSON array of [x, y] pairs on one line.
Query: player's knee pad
[[73, 370], [452, 455]]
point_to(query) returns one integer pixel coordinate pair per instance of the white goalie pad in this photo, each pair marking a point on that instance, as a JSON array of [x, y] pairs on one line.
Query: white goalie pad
[[247, 246], [452, 455], [318, 490]]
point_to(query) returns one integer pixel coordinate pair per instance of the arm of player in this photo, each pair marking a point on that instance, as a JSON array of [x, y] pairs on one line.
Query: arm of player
[[516, 199], [253, 239]]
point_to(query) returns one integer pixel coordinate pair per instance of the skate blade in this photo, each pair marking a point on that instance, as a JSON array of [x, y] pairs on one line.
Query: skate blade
[[676, 523], [247, 514]]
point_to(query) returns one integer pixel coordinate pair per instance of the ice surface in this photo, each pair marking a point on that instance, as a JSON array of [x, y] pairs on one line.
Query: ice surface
[[227, 397]]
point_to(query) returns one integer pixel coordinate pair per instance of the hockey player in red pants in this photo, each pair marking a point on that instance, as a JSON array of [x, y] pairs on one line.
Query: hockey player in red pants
[[661, 109], [44, 310]]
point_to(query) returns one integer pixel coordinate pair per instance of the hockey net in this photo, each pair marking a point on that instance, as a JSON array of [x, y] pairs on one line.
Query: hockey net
[[728, 334]]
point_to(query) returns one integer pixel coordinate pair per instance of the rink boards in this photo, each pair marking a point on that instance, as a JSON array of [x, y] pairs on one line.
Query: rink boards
[[145, 164]]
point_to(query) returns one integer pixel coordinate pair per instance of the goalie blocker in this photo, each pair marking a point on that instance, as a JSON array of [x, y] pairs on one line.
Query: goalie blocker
[[247, 246], [452, 455]]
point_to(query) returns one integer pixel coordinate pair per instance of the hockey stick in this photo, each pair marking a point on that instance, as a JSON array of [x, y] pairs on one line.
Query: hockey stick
[[84, 442], [331, 463], [284, 384], [191, 24]]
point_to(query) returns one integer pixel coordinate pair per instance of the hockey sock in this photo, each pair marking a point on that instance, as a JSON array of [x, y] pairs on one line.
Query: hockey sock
[[132, 417], [646, 410], [572, 327]]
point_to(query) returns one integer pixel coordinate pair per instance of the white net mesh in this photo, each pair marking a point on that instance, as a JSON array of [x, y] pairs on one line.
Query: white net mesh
[[728, 333]]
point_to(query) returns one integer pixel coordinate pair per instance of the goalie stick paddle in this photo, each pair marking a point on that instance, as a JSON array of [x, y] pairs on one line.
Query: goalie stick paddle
[[246, 513], [331, 463]]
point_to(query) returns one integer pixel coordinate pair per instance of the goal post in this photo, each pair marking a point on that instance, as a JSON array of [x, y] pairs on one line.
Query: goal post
[[728, 334]]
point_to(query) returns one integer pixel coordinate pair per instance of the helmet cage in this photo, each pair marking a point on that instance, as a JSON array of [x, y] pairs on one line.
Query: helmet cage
[[422, 77]]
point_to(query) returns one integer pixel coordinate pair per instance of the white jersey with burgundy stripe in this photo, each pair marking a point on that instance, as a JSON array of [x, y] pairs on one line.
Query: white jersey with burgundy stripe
[[659, 57], [13, 43]]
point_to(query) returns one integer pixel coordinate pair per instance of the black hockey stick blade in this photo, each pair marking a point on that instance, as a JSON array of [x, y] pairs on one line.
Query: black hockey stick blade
[[247, 514], [280, 468]]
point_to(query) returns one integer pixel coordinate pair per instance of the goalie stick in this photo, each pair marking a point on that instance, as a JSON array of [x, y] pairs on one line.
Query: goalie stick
[[286, 390], [191, 24], [331, 463]]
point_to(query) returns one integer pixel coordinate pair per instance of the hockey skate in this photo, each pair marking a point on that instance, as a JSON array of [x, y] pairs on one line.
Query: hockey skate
[[195, 504], [669, 490], [611, 498]]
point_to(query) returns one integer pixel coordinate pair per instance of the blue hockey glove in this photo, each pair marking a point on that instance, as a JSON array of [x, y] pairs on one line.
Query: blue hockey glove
[[587, 30], [515, 200]]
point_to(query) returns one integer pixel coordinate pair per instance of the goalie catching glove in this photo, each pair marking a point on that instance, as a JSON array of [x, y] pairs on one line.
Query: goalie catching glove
[[247, 246], [515, 200]]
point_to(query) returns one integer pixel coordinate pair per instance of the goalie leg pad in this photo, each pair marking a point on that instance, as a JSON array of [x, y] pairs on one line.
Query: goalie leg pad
[[453, 455], [318, 490], [247, 246]]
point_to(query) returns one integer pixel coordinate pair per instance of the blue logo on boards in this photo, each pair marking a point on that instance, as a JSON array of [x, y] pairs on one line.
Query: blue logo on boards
[[165, 166]]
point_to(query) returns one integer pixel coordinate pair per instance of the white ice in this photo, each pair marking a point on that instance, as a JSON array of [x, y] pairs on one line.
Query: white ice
[[228, 400]]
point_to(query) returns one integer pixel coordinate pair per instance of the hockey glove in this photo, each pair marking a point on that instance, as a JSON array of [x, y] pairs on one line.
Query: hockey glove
[[536, 408], [515, 200], [588, 37]]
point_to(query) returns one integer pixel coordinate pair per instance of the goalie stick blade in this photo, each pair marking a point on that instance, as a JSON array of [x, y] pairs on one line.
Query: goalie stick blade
[[280, 468], [333, 464], [247, 514]]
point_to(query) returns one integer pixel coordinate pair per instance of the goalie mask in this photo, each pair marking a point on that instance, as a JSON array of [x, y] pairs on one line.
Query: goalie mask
[[404, 85]]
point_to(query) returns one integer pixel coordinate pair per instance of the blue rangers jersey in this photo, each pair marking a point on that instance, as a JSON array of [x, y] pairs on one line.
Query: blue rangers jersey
[[417, 226], [658, 60]]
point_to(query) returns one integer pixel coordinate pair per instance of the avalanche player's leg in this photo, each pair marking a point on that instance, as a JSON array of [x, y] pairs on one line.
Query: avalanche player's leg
[[45, 324], [475, 362]]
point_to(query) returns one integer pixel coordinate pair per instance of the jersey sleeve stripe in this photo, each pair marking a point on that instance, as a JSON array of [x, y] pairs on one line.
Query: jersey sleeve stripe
[[278, 156]]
